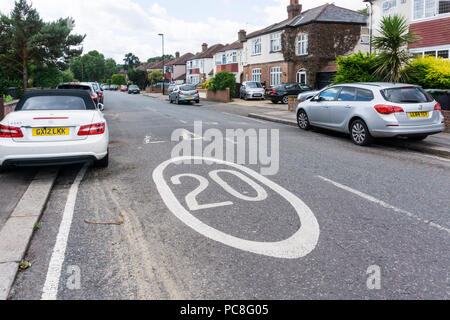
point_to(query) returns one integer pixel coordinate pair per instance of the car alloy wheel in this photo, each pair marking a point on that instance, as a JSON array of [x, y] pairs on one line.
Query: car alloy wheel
[[360, 133], [285, 100], [302, 120]]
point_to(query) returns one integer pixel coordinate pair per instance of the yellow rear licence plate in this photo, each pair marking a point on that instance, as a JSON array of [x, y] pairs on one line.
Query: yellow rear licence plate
[[419, 114], [43, 132]]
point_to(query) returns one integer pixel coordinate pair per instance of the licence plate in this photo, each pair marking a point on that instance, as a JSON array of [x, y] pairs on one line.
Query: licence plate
[[190, 98], [419, 114], [43, 132]]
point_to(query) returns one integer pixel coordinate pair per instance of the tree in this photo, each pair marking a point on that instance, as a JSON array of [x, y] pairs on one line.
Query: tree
[[118, 79], [131, 61], [156, 59], [25, 38], [89, 67], [47, 77], [139, 77], [392, 47], [67, 76], [155, 76], [110, 68]]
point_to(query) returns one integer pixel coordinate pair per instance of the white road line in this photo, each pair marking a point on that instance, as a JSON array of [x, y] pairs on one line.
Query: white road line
[[50, 290], [384, 204], [182, 121], [157, 142]]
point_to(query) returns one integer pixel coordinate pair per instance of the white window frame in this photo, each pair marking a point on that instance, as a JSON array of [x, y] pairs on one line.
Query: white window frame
[[234, 57], [256, 46], [299, 74], [423, 16], [421, 51], [392, 7], [275, 42], [276, 76], [302, 44], [256, 75]]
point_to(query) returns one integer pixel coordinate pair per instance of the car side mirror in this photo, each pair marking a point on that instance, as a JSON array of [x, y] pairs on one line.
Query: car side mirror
[[101, 107]]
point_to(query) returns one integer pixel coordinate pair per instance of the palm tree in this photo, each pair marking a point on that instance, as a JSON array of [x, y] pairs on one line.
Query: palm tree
[[392, 46]]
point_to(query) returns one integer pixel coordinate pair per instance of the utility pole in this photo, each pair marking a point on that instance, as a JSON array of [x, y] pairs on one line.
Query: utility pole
[[164, 75], [370, 23]]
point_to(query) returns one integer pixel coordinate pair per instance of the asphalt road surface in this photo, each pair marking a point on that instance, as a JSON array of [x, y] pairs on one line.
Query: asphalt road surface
[[337, 221]]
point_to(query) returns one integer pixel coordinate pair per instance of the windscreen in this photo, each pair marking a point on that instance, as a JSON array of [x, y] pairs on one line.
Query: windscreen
[[134, 87], [54, 103], [254, 85], [406, 95], [74, 87]]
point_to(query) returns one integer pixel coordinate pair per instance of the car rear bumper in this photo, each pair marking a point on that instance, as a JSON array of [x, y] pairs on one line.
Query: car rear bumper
[[195, 97], [408, 131], [42, 153], [273, 98]]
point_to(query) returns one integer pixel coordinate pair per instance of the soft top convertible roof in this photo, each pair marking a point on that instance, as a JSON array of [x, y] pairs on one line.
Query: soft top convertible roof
[[90, 105]]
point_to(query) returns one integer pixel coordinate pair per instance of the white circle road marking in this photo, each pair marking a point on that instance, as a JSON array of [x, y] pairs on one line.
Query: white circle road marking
[[297, 246]]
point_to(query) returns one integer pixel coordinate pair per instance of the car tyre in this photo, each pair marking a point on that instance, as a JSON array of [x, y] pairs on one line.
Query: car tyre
[[360, 134], [103, 163], [197, 101], [170, 100], [285, 100], [303, 120]]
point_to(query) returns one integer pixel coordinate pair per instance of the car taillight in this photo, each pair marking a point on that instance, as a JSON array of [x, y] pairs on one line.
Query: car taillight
[[10, 132], [437, 107], [100, 94], [382, 109], [273, 92], [92, 129], [196, 92], [94, 96], [180, 92]]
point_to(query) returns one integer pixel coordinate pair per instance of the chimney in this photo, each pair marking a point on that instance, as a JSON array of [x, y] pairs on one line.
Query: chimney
[[294, 9], [177, 54], [204, 47], [242, 35]]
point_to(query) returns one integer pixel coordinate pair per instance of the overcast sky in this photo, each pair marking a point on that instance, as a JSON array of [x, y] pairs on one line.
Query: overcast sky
[[115, 27]]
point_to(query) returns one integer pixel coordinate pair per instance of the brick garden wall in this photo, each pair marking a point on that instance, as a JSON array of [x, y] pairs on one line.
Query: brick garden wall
[[447, 119], [217, 96], [6, 108]]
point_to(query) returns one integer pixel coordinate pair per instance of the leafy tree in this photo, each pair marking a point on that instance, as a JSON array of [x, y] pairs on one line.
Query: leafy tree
[[47, 77], [67, 76], [364, 11], [131, 61], [224, 80], [392, 47], [118, 79], [110, 68], [25, 38], [358, 67], [89, 67], [139, 77], [155, 76], [429, 72]]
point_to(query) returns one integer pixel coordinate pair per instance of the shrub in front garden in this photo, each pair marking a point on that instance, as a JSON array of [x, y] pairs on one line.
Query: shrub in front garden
[[222, 81], [358, 67], [429, 72]]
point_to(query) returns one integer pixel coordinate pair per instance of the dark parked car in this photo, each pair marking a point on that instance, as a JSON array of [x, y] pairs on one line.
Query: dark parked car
[[133, 89], [282, 92], [86, 86]]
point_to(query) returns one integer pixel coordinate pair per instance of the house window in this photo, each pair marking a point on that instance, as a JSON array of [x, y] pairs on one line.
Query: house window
[[224, 59], [234, 57], [302, 44], [256, 46], [275, 76], [389, 7], [430, 8], [256, 75], [301, 76], [275, 42], [433, 52]]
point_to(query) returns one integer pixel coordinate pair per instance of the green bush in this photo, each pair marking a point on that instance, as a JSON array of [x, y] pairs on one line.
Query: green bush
[[68, 76], [7, 99], [222, 81], [118, 79], [429, 72], [358, 67]]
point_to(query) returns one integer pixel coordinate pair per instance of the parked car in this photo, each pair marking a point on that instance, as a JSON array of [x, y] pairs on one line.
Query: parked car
[[184, 93], [123, 88], [83, 86], [134, 89], [105, 87], [113, 87], [53, 127], [307, 95], [282, 92], [252, 90], [373, 110], [98, 89]]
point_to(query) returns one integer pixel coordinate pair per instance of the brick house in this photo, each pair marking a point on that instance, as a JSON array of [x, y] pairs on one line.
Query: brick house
[[428, 19], [229, 58], [200, 67], [304, 47]]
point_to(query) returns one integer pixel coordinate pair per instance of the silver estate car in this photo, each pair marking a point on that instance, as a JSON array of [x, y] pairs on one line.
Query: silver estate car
[[373, 110], [184, 93], [252, 90]]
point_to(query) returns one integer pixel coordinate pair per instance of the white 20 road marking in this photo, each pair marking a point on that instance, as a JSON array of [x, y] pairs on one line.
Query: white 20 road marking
[[384, 204], [299, 245], [50, 290]]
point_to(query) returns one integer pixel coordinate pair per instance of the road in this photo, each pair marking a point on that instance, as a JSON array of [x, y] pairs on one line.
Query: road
[[133, 234]]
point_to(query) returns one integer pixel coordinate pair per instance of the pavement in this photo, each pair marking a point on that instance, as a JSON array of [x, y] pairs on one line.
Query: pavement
[[144, 228]]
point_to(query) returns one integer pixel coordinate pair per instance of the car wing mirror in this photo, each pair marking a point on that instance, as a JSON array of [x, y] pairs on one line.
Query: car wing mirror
[[101, 107]]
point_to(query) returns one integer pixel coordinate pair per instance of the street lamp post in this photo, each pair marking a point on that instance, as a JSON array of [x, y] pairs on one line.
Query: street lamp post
[[371, 22], [164, 76]]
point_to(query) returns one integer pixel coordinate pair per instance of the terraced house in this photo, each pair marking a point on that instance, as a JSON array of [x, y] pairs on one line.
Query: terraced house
[[304, 47], [229, 58], [200, 67], [428, 19]]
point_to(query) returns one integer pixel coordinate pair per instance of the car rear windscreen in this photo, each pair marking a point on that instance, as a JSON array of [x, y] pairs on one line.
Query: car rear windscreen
[[54, 103], [406, 95], [134, 87], [187, 88], [74, 87]]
